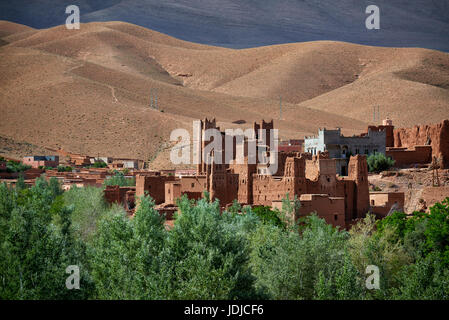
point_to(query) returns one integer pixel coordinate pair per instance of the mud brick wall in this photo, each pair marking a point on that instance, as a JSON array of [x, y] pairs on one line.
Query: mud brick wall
[[435, 135]]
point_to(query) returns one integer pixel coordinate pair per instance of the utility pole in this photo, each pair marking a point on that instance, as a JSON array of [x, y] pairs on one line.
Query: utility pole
[[153, 98], [280, 107], [376, 115]]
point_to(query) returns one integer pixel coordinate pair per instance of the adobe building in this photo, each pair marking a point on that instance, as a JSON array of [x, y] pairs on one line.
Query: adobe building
[[79, 160], [408, 147], [41, 161], [121, 163], [121, 195], [152, 183], [341, 147], [405, 157], [292, 145], [313, 178], [384, 203], [331, 209]]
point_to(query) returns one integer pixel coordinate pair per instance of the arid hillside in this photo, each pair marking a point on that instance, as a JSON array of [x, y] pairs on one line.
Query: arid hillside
[[254, 23], [88, 90]]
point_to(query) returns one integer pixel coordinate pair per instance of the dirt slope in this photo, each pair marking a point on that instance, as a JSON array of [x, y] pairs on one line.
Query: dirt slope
[[88, 90]]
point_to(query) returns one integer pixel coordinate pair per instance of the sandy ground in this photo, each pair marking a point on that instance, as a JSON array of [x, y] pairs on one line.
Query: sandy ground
[[417, 185]]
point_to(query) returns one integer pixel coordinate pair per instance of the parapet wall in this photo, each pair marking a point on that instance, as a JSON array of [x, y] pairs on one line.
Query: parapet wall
[[405, 157]]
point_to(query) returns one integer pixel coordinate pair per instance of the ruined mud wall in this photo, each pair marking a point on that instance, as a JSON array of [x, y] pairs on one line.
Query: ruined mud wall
[[435, 135]]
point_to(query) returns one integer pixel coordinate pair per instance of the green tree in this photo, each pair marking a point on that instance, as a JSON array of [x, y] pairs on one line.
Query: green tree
[[119, 179], [15, 166], [89, 206], [313, 264], [378, 162], [124, 254], [100, 164], [427, 279], [266, 215], [380, 248], [206, 254], [35, 252], [422, 232]]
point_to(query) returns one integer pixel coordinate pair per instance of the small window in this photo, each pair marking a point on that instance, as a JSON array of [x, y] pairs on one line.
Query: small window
[[193, 185], [335, 217]]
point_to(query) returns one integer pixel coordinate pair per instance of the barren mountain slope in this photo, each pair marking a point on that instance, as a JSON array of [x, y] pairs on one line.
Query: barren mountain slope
[[88, 90], [253, 23]]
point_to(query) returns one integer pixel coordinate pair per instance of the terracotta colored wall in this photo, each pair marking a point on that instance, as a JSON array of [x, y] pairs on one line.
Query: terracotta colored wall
[[267, 189], [118, 194], [37, 164], [436, 135], [407, 157], [112, 194], [358, 172], [172, 192], [154, 185], [293, 148], [382, 202], [330, 208]]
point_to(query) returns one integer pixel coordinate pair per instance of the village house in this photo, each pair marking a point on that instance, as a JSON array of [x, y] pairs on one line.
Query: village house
[[341, 147], [313, 178], [41, 161]]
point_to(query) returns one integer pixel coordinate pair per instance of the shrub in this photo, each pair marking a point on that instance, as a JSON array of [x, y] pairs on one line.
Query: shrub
[[119, 180], [100, 164], [422, 232], [378, 162], [15, 166], [266, 215], [64, 168]]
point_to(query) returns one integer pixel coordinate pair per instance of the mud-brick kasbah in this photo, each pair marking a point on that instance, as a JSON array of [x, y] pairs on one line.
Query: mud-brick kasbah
[[311, 176], [328, 173]]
